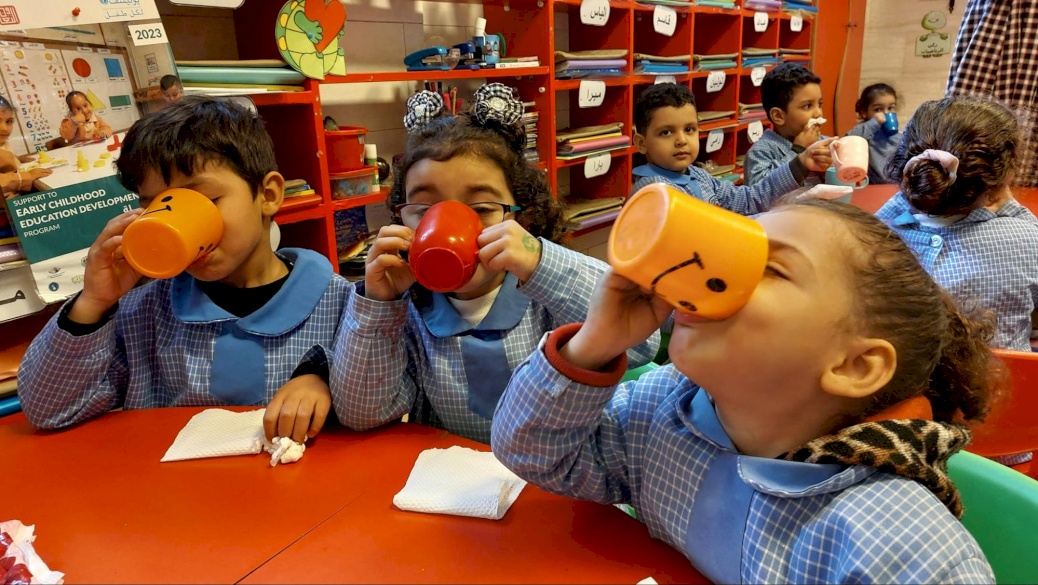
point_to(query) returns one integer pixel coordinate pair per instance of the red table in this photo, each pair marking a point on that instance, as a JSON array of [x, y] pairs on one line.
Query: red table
[[107, 511]]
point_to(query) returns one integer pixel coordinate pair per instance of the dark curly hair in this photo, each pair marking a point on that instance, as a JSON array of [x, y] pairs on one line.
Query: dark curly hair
[[192, 133], [659, 96], [942, 352], [445, 138], [779, 85], [982, 133], [870, 94]]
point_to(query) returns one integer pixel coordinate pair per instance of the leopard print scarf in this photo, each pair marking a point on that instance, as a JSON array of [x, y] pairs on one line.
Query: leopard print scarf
[[913, 448]]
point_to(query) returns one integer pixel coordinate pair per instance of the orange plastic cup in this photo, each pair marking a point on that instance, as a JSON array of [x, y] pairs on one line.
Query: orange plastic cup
[[179, 227], [700, 258], [444, 254]]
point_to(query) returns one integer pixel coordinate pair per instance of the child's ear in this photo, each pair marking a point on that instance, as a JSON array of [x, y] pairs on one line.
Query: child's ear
[[639, 142], [777, 115], [272, 190], [864, 368]]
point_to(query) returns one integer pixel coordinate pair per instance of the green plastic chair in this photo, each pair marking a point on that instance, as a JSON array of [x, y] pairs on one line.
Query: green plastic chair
[[635, 373], [1001, 513]]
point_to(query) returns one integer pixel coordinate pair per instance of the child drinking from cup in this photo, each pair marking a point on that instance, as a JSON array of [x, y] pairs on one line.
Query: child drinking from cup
[[803, 439], [667, 133], [792, 98], [242, 325], [956, 212], [445, 357], [82, 123], [877, 110], [12, 181]]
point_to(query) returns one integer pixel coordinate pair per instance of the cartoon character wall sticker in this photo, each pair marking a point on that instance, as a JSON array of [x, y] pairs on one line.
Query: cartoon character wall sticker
[[934, 43], [308, 34]]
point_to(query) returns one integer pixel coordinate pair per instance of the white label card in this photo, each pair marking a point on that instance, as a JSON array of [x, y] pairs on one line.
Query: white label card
[[715, 81], [597, 165], [757, 75], [760, 21], [714, 140], [147, 34], [591, 93], [594, 12], [755, 131], [664, 20], [85, 49], [665, 79], [796, 23]]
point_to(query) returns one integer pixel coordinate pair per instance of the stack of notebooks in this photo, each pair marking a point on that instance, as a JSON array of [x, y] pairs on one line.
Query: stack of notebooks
[[707, 116], [751, 112], [795, 54], [716, 3], [297, 188], [585, 213], [581, 142], [529, 119], [722, 172], [517, 63], [715, 62], [11, 254], [740, 161], [677, 3], [755, 57], [600, 63], [645, 64], [238, 77], [800, 7], [762, 5]]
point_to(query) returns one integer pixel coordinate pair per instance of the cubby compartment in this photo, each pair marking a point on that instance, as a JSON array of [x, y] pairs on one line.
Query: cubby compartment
[[650, 42], [796, 45], [725, 154], [768, 39], [528, 27], [616, 107], [716, 34], [616, 182], [615, 34], [316, 234], [724, 100], [297, 149]]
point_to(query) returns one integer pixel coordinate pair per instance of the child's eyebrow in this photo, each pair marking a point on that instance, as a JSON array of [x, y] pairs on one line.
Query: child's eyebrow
[[779, 246], [473, 189]]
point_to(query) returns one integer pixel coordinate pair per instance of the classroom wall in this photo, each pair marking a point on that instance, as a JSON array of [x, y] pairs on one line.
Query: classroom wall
[[891, 30]]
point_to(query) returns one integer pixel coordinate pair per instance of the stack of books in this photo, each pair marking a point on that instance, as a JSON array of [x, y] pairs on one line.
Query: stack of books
[[800, 7], [715, 62], [589, 140], [795, 54], [722, 172], [645, 64], [727, 4], [762, 5], [755, 57], [707, 116], [751, 112], [238, 77], [529, 120], [297, 188], [600, 63], [585, 213], [517, 62], [676, 3]]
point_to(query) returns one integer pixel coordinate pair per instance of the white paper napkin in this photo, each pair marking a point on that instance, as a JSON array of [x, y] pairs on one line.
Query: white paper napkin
[[459, 481], [218, 433]]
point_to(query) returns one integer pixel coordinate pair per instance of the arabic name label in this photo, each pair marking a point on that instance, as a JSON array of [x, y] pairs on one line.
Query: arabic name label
[[664, 20], [760, 21], [594, 12], [714, 140], [591, 93], [665, 79], [597, 165], [757, 75], [715, 81], [796, 23], [754, 131]]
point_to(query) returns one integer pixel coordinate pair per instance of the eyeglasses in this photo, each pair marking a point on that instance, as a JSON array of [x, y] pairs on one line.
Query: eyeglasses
[[490, 213]]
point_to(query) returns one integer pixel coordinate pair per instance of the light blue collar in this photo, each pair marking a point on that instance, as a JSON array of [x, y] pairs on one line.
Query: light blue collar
[[296, 300], [651, 170], [443, 320], [907, 214], [777, 477]]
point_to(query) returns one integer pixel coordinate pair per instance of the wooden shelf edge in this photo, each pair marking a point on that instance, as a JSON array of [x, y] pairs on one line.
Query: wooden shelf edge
[[360, 201], [579, 161], [384, 76]]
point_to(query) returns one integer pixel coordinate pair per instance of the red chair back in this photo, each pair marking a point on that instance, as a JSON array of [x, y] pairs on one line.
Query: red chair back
[[1012, 425]]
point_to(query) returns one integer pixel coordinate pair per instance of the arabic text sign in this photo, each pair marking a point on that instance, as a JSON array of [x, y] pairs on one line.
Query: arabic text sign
[[597, 165], [664, 20], [591, 93], [594, 12], [23, 14]]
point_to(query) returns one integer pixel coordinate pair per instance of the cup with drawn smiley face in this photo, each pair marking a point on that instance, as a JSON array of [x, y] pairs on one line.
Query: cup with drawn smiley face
[[179, 227], [702, 259]]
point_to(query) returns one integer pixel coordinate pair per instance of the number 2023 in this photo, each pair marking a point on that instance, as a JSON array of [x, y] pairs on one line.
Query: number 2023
[[150, 33]]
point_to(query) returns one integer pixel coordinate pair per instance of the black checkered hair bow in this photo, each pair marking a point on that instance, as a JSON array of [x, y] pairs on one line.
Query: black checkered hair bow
[[496, 101], [422, 108]]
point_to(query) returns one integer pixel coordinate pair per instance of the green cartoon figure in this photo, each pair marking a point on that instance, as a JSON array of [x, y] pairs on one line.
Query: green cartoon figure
[[308, 34], [934, 43]]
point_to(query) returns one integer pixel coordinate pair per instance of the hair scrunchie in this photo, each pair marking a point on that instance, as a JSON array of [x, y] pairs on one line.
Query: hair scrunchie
[[948, 161], [422, 108], [497, 102]]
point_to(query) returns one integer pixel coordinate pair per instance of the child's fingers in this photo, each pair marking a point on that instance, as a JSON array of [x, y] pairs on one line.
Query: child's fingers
[[117, 225], [107, 249], [287, 416], [271, 416], [320, 416], [304, 412], [391, 246]]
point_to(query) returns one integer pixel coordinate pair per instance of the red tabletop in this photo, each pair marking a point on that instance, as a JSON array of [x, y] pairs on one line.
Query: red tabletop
[[107, 511]]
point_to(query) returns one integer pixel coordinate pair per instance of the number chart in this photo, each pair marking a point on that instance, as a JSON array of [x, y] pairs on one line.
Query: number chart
[[38, 76]]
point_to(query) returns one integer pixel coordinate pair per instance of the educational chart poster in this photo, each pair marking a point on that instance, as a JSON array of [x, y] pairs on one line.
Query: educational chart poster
[[58, 226], [36, 82], [103, 77]]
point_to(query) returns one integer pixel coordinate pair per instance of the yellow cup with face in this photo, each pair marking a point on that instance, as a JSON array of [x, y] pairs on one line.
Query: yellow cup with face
[[179, 227], [701, 259]]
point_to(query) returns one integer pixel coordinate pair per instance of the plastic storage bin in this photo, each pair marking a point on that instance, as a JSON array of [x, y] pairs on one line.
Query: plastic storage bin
[[345, 148], [353, 183]]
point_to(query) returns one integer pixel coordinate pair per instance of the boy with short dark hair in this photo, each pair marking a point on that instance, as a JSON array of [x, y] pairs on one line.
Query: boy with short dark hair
[[242, 325], [792, 96], [667, 133], [172, 88]]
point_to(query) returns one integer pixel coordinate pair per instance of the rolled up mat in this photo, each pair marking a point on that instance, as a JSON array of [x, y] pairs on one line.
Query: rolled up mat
[[10, 406]]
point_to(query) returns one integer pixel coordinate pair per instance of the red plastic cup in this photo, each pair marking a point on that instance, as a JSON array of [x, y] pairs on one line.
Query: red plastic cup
[[444, 254]]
